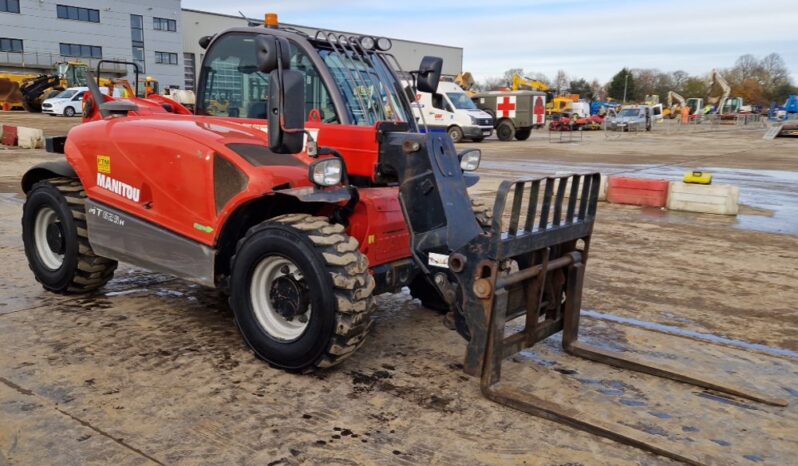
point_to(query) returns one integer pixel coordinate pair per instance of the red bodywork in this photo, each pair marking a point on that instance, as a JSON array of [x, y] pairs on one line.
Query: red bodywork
[[165, 161]]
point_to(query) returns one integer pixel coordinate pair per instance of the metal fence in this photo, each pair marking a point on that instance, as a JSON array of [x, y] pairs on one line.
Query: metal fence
[[39, 61], [714, 123]]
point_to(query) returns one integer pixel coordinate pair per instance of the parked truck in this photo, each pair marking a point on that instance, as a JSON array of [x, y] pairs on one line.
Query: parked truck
[[515, 113]]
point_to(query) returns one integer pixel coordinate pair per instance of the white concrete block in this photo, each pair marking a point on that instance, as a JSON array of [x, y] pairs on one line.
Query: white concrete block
[[722, 199], [30, 138], [602, 185]]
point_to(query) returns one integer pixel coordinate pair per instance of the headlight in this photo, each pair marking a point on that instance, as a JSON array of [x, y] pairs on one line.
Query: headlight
[[367, 42], [469, 160], [326, 172], [474, 120], [384, 44]]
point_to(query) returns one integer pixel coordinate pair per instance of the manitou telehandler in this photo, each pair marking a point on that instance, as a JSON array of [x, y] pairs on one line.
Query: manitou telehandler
[[311, 190]]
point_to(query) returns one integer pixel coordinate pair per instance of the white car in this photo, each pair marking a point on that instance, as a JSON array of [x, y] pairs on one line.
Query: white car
[[68, 103]]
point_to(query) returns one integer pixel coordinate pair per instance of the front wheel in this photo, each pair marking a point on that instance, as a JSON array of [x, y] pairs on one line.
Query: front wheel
[[456, 134], [56, 239], [301, 292], [69, 112]]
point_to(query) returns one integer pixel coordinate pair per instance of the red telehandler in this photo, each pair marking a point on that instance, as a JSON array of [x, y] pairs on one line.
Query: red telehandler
[[302, 186]]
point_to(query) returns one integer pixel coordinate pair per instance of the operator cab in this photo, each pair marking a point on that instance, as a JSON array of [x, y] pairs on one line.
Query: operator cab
[[345, 82]]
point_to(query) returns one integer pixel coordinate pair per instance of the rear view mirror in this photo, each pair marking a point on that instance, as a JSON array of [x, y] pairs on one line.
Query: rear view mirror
[[267, 51], [286, 111], [429, 74]]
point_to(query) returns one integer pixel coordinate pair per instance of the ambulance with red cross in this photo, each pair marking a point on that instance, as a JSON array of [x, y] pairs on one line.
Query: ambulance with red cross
[[515, 113]]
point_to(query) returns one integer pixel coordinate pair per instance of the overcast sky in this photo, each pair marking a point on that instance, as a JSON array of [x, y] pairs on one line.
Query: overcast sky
[[586, 38]]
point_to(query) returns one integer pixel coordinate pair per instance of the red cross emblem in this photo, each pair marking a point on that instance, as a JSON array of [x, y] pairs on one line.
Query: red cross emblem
[[505, 106], [540, 110]]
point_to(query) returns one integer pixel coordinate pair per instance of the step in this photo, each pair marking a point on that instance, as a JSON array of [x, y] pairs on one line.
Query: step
[[637, 191], [602, 186], [722, 199]]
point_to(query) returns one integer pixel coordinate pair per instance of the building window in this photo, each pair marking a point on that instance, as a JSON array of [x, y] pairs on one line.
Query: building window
[[9, 6], [166, 58], [137, 40], [80, 50], [10, 45], [78, 13], [189, 70], [163, 24]]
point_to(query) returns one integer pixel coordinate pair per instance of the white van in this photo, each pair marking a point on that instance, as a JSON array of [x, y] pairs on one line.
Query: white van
[[68, 103], [451, 110]]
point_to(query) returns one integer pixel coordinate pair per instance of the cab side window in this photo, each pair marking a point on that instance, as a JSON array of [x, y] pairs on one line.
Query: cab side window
[[233, 86]]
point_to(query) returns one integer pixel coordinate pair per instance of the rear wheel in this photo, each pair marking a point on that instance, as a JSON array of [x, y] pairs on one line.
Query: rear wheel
[[56, 240], [456, 134], [505, 131], [522, 134], [301, 292]]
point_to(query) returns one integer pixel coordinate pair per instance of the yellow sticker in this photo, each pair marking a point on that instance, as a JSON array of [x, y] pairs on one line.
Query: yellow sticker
[[104, 164], [372, 239]]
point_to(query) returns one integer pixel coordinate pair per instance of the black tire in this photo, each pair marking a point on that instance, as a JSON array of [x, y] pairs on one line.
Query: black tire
[[477, 139], [456, 134], [81, 270], [522, 134], [505, 131], [331, 266], [69, 112], [425, 292]]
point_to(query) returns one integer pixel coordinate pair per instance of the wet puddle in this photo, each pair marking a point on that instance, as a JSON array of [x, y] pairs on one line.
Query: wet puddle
[[769, 198]]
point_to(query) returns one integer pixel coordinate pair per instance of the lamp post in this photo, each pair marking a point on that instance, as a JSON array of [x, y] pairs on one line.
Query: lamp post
[[625, 83]]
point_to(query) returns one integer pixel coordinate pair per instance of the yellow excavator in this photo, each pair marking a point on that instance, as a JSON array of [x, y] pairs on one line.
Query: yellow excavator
[[555, 105], [533, 84], [673, 110], [466, 81], [10, 95], [30, 90]]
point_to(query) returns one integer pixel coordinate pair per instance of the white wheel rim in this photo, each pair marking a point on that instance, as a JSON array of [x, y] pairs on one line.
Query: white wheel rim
[[268, 270], [44, 218]]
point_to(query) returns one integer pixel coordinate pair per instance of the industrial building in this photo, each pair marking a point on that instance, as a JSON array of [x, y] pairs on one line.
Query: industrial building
[[37, 34], [156, 34]]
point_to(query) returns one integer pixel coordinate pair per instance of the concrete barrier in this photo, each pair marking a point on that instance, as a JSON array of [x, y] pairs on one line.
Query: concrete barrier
[[722, 199], [30, 138], [637, 191], [602, 186], [9, 135]]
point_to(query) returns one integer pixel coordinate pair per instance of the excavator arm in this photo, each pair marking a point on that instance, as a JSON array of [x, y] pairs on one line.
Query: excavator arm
[[519, 83], [675, 96], [716, 78]]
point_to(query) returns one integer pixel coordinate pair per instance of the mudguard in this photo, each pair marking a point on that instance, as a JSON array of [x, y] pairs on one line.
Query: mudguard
[[46, 170]]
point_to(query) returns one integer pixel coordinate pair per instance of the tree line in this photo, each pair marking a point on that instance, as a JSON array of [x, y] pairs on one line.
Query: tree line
[[757, 81]]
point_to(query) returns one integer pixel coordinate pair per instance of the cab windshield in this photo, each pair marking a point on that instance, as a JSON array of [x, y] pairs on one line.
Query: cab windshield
[[370, 90], [461, 101]]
